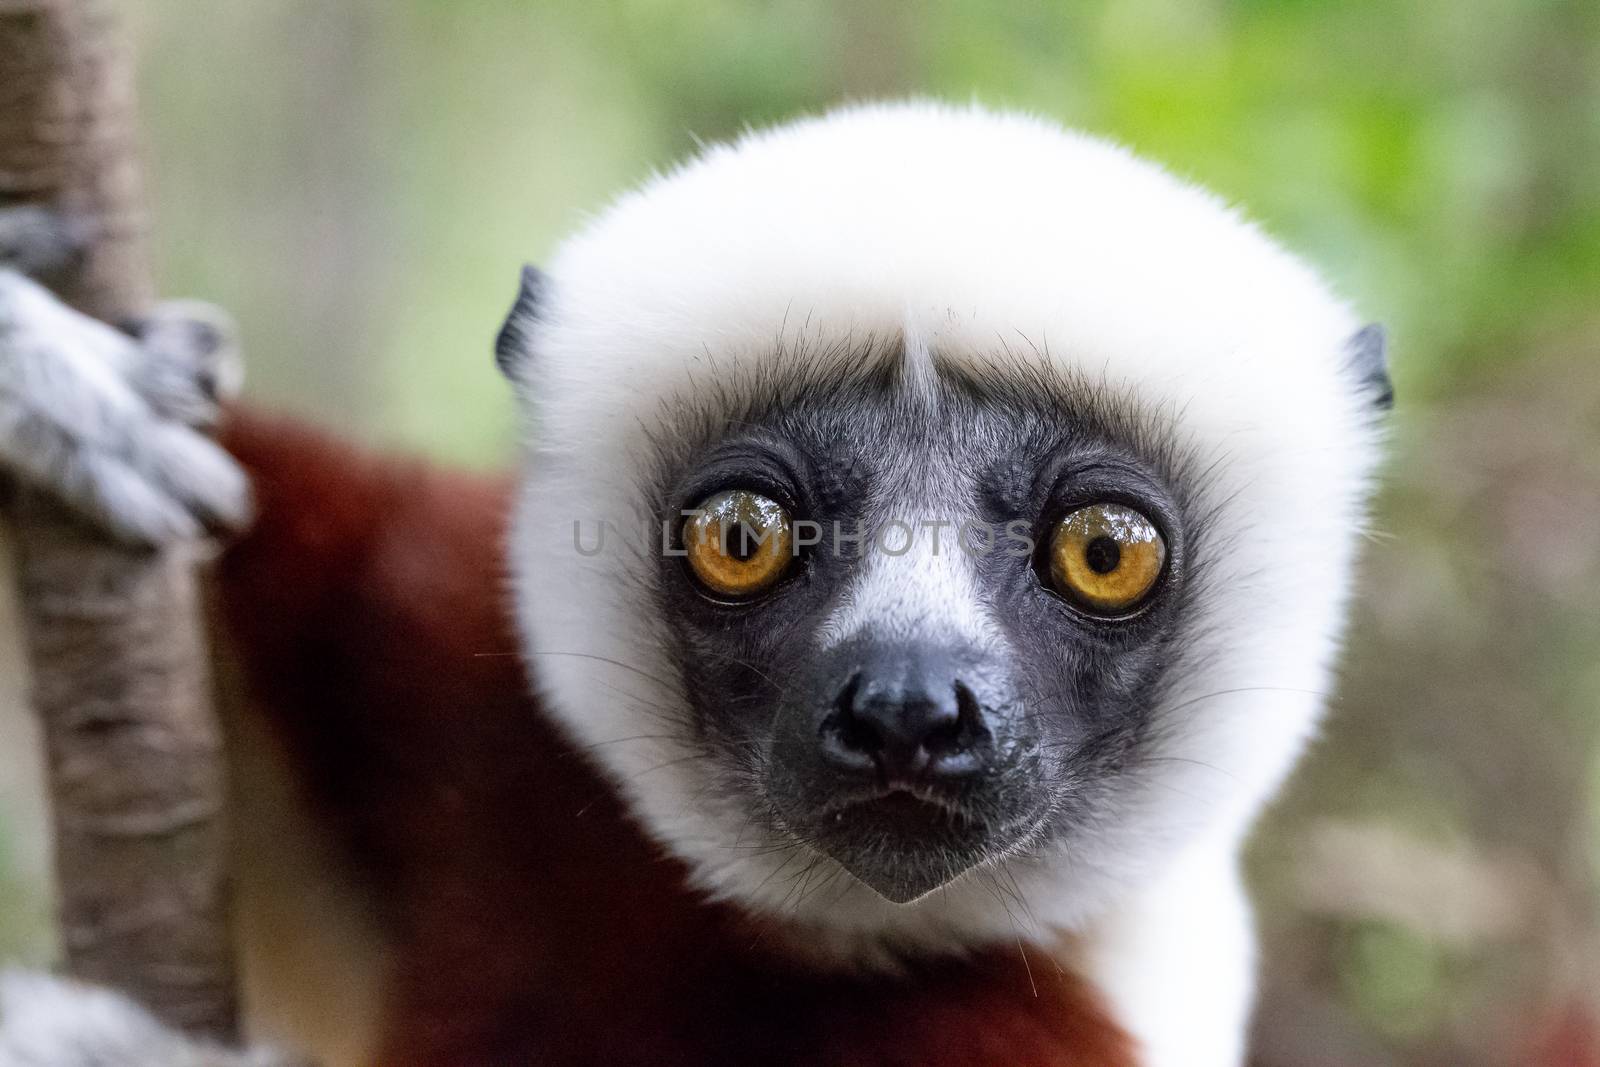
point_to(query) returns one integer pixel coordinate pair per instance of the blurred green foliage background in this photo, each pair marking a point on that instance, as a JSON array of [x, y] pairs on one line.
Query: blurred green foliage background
[[360, 180]]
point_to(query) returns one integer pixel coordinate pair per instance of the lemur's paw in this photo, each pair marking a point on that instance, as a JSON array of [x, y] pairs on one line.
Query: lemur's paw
[[105, 422], [199, 475], [48, 1022]]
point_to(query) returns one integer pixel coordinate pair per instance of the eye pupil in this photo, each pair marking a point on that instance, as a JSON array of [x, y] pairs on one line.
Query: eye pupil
[[1103, 554], [743, 542]]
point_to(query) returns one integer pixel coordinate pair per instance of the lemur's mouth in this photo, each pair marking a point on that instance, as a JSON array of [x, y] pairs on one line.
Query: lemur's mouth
[[902, 842], [896, 800]]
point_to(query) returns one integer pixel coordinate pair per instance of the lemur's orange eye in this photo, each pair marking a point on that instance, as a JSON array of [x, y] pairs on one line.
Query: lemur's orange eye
[[1106, 558], [738, 542]]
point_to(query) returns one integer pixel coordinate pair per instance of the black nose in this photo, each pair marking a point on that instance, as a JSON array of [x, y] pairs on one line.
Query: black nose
[[906, 717]]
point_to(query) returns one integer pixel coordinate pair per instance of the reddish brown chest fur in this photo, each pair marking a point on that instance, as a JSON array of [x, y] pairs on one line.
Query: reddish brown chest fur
[[532, 922]]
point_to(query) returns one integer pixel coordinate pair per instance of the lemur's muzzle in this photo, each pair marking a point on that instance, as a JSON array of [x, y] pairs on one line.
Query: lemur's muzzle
[[901, 765]]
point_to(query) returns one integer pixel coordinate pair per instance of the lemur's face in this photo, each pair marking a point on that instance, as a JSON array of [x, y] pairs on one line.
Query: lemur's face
[[920, 627], [935, 522]]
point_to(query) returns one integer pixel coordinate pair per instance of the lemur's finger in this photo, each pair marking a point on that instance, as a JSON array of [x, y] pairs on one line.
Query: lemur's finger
[[123, 502], [193, 470], [128, 505], [190, 360]]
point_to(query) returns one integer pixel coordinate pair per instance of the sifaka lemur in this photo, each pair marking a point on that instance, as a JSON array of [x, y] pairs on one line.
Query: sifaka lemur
[[930, 550]]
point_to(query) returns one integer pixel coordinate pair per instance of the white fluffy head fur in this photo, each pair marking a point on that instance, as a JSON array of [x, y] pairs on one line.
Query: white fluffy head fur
[[974, 235]]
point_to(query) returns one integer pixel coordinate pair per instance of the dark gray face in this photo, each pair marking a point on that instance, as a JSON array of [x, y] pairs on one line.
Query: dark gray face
[[915, 715]]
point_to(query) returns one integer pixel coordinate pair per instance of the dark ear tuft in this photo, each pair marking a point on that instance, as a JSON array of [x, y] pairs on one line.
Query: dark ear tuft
[[1368, 351], [511, 347]]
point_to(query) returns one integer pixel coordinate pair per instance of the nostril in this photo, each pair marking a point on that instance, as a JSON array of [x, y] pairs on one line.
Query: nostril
[[848, 739], [858, 736], [859, 733], [969, 711], [954, 743], [945, 737]]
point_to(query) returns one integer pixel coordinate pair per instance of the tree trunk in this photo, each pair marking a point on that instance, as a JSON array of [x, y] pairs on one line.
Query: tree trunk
[[113, 633]]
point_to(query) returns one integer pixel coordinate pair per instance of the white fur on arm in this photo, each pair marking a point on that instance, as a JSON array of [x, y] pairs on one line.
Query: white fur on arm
[[103, 423], [49, 1022]]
